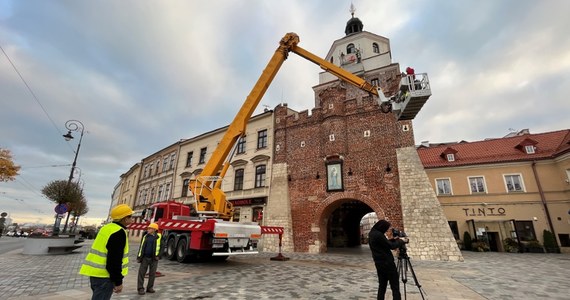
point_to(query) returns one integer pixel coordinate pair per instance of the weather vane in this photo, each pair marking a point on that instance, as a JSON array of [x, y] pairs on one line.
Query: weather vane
[[352, 9]]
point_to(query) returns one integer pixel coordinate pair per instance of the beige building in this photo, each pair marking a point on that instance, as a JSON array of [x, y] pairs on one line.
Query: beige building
[[246, 182], [156, 181], [129, 185], [513, 187]]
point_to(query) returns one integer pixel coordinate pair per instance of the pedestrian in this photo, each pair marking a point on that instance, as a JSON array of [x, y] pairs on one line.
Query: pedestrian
[[384, 259], [149, 254], [107, 263], [2, 222]]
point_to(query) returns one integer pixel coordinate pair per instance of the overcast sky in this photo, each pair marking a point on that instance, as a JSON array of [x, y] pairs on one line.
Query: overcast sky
[[140, 75]]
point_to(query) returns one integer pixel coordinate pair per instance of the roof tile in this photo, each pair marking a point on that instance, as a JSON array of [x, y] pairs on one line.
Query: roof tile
[[548, 145]]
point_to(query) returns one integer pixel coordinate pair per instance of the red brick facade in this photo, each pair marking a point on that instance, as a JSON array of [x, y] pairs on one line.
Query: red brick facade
[[364, 143]]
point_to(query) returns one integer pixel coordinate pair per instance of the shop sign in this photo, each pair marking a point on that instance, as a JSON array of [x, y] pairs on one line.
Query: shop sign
[[485, 212], [250, 201]]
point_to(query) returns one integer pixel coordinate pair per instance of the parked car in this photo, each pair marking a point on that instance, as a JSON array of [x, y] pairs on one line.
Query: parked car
[[39, 232]]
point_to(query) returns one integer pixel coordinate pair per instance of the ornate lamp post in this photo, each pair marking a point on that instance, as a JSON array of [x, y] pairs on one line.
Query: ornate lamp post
[[72, 125]]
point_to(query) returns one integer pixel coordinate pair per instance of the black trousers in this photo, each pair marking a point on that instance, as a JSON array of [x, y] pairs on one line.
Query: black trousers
[[387, 272], [147, 263]]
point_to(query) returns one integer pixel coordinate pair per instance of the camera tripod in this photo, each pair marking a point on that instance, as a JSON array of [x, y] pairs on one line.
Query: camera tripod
[[403, 265]]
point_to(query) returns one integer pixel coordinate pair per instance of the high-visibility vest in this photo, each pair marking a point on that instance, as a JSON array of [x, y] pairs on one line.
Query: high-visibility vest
[[96, 260], [157, 250]]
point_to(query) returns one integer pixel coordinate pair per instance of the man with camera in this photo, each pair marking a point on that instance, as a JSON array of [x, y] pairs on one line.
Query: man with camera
[[381, 248]]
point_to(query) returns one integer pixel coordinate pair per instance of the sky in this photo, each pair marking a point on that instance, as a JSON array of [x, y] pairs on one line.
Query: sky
[[141, 75]]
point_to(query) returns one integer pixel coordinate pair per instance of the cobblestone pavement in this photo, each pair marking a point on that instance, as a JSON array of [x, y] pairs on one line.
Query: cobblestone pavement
[[342, 274]]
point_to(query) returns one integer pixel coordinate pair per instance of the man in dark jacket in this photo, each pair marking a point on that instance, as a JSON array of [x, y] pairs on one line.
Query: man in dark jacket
[[384, 259], [149, 254]]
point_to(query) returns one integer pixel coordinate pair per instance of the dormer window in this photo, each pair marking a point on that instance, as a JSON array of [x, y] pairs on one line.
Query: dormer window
[[449, 154], [527, 146]]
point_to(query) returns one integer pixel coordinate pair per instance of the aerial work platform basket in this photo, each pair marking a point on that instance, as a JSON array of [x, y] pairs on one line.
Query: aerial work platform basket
[[413, 93]]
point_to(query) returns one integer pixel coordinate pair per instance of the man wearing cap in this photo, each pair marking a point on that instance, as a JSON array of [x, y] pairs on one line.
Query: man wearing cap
[[149, 254], [107, 262]]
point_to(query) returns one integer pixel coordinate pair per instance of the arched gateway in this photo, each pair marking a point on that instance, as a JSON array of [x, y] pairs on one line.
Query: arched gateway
[[339, 219]]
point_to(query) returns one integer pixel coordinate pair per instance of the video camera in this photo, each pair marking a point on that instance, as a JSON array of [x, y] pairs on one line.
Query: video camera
[[397, 233]]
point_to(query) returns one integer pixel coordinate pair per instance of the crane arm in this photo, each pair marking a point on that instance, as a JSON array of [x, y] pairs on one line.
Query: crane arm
[[206, 187]]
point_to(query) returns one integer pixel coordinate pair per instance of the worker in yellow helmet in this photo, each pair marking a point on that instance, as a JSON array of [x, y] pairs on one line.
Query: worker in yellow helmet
[[149, 254], [107, 262]]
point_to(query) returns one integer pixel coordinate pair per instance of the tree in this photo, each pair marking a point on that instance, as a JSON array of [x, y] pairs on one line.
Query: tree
[[63, 192], [60, 192], [8, 170], [550, 243], [79, 209]]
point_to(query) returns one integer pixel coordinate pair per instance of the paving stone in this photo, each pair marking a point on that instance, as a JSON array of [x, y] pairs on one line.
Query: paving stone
[[348, 274]]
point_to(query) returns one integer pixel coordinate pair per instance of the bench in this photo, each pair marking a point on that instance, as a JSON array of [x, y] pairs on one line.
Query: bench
[[62, 249]]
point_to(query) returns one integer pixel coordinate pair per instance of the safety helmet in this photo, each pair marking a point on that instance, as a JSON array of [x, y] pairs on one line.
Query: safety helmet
[[153, 226], [121, 211]]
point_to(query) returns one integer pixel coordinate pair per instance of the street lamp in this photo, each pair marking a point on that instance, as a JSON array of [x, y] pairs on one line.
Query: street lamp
[[72, 125]]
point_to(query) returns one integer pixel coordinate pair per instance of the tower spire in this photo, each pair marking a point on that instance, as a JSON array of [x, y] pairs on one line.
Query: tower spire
[[354, 25]]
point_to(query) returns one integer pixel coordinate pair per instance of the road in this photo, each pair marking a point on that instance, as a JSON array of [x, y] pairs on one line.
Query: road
[[8, 244]]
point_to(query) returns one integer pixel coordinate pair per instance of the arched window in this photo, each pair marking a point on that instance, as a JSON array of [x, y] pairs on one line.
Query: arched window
[[350, 49], [375, 48], [260, 176]]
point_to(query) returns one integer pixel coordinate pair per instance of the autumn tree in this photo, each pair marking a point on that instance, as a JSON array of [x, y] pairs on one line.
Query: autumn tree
[[8, 170]]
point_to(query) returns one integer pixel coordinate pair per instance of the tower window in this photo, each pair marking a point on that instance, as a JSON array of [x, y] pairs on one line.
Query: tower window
[[375, 48], [350, 49]]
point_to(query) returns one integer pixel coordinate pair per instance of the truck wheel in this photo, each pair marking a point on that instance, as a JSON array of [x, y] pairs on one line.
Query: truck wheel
[[181, 251], [170, 250]]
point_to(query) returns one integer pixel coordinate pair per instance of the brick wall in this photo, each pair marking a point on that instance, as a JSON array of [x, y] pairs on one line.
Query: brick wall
[[365, 142]]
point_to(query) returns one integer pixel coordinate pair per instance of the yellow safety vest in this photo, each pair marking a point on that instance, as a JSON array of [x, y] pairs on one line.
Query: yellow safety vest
[[96, 260], [157, 250]]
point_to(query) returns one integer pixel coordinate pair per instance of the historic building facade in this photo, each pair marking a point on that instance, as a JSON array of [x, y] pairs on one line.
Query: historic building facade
[[507, 188]]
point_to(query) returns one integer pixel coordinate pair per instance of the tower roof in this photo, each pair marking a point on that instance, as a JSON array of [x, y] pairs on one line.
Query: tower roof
[[354, 25]]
